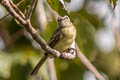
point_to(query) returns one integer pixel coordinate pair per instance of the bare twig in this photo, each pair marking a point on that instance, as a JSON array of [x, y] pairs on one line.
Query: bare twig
[[13, 12], [8, 13], [30, 10], [52, 69], [16, 9], [4, 16], [87, 63], [19, 2], [34, 34]]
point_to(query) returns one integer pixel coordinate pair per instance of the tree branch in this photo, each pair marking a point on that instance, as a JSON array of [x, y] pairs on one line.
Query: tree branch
[[16, 9], [87, 63], [10, 9], [52, 69], [30, 10], [8, 13], [27, 25], [4, 16]]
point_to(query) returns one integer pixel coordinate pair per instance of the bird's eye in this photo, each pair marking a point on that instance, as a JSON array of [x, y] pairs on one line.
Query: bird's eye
[[59, 19]]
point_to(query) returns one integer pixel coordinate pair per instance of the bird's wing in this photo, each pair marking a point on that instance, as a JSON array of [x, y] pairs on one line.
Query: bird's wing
[[56, 36]]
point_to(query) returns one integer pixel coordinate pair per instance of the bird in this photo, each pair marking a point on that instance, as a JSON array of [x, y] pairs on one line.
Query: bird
[[61, 39]]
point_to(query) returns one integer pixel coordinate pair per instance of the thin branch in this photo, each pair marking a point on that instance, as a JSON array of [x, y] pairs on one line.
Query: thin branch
[[34, 34], [30, 10], [16, 9], [11, 10], [8, 13], [4, 16], [52, 69], [19, 2], [87, 63]]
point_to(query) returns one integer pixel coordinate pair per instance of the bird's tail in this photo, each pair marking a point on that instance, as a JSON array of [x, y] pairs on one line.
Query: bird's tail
[[39, 64]]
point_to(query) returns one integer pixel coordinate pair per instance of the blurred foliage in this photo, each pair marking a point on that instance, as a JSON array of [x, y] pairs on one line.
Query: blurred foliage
[[24, 5], [18, 68], [85, 33], [114, 2], [57, 6], [67, 0], [18, 59]]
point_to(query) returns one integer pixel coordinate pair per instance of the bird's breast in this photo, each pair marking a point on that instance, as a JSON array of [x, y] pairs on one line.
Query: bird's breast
[[67, 39]]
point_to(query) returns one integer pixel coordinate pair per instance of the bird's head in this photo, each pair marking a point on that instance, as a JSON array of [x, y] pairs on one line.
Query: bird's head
[[64, 21]]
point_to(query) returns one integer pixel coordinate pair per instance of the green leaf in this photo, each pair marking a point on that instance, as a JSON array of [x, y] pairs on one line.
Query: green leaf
[[57, 6], [54, 4]]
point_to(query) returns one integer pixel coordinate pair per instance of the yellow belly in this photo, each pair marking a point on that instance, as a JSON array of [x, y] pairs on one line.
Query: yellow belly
[[63, 44], [66, 41]]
